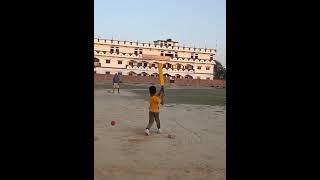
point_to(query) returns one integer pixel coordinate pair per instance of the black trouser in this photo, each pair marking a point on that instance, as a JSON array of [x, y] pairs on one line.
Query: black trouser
[[153, 116]]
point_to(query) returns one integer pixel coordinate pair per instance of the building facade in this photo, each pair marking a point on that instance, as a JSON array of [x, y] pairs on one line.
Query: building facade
[[141, 59]]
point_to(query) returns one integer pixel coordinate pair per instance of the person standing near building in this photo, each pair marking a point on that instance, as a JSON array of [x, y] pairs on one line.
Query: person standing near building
[[115, 82]]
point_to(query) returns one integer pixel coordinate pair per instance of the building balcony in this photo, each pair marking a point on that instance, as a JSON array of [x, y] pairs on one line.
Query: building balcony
[[117, 54], [152, 45], [147, 68], [205, 61], [178, 70], [149, 57]]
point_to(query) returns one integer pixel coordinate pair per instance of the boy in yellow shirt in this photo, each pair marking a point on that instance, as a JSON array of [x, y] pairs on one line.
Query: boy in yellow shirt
[[154, 108]]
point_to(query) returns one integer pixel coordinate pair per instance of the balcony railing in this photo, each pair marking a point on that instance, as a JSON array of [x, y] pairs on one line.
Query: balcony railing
[[150, 57], [152, 45], [148, 68], [117, 54]]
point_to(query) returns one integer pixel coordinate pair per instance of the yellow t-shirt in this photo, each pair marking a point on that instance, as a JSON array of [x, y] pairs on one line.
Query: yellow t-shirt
[[154, 103]]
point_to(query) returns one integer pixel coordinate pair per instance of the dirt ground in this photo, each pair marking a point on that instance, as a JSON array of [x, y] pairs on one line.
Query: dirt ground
[[197, 152]]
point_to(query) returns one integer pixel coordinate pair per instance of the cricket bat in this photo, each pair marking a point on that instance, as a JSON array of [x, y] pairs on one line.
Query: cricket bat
[[161, 79]]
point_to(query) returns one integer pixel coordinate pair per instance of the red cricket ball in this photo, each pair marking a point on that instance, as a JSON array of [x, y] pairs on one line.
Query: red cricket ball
[[113, 123]]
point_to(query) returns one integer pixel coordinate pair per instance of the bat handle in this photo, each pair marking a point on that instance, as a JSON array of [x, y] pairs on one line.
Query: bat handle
[[162, 98]]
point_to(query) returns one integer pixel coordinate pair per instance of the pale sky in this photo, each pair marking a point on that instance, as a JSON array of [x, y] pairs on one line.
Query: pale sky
[[200, 23]]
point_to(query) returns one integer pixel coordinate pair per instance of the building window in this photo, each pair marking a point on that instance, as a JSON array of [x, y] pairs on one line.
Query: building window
[[189, 67], [117, 50], [137, 51], [188, 77], [139, 64], [162, 53], [95, 72], [176, 54], [199, 67], [208, 78], [108, 72], [211, 57], [97, 63], [167, 65], [112, 50], [108, 61], [196, 56], [191, 56], [207, 68], [170, 55], [131, 63], [119, 62]]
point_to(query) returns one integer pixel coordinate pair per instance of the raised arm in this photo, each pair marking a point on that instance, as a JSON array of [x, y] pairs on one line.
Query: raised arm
[[161, 92], [162, 95]]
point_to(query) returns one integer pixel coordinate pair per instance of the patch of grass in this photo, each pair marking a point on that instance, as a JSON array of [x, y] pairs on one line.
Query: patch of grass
[[102, 85], [182, 95], [213, 96]]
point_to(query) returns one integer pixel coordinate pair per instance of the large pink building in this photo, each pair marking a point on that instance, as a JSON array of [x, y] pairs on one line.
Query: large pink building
[[141, 59]]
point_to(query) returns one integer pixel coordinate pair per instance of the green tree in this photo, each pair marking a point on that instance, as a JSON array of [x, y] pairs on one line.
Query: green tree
[[219, 70]]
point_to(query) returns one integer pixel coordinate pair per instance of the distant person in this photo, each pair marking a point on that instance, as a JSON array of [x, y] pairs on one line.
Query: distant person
[[115, 82], [154, 107]]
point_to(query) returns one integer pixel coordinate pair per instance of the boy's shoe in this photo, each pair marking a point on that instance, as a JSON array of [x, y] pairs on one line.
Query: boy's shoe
[[159, 131], [147, 132]]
